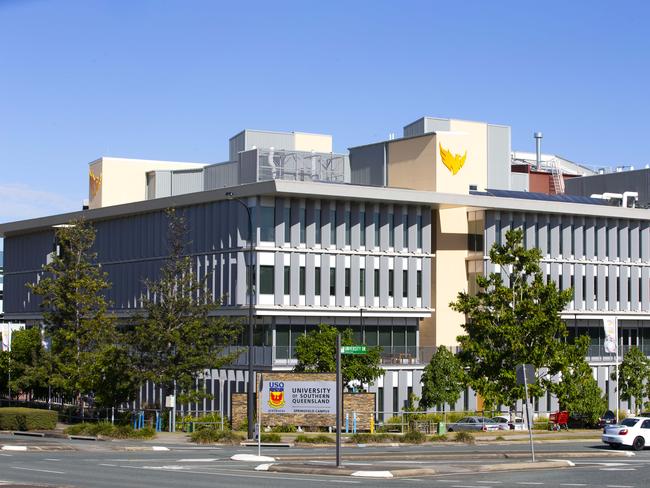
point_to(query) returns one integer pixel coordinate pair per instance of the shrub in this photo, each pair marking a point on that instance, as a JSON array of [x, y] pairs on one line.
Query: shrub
[[314, 439], [364, 438], [465, 437], [284, 428], [19, 418], [106, 429], [414, 437], [271, 437], [500, 438], [208, 436], [439, 438]]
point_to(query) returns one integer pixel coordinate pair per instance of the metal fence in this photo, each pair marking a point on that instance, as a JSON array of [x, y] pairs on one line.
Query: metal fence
[[301, 166]]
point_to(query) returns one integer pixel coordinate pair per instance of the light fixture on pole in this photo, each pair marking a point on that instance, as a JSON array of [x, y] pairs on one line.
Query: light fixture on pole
[[251, 381]]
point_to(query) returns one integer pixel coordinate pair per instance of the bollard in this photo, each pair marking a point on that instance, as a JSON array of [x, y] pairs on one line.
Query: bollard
[[372, 424], [354, 422], [347, 422]]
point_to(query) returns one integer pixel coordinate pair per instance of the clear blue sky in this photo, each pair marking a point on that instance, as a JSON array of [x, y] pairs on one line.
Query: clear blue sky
[[174, 79]]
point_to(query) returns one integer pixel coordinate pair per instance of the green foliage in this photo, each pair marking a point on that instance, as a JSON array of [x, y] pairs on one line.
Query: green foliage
[[464, 437], [366, 438], [316, 352], [29, 363], [19, 418], [512, 322], [284, 428], [500, 438], [106, 429], [438, 438], [271, 437], [314, 439], [414, 437], [114, 379], [443, 379], [578, 392], [210, 436], [75, 315], [177, 337], [633, 375]]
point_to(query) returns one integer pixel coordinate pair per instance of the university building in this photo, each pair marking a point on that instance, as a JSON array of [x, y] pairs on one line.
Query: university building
[[380, 239]]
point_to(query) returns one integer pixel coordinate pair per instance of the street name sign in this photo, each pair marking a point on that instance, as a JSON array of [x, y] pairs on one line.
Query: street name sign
[[354, 349]]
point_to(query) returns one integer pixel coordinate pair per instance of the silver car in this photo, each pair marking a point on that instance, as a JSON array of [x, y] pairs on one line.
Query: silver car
[[473, 423]]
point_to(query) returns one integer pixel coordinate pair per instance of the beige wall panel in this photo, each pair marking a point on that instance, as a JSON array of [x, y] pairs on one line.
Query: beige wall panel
[[411, 163], [312, 142]]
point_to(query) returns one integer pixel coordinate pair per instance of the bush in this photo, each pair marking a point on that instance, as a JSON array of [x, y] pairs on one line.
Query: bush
[[364, 438], [209, 436], [414, 437], [314, 439], [271, 437], [106, 429], [465, 437], [284, 428], [19, 418], [500, 438], [439, 438]]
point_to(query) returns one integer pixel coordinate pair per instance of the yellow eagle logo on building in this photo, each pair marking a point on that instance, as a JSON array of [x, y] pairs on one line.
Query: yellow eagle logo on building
[[453, 162], [95, 183]]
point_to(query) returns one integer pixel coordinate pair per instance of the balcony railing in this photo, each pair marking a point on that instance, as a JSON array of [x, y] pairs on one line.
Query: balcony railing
[[596, 352], [301, 166]]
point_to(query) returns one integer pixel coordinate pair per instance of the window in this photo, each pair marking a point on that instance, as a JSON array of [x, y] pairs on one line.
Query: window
[[332, 281], [391, 230], [302, 280], [395, 400], [333, 227], [380, 403], [317, 226], [287, 280], [347, 282], [362, 282], [375, 223], [286, 215], [317, 281], [405, 231], [391, 282], [419, 284], [266, 280], [267, 224], [302, 217], [376, 282], [419, 231], [347, 227], [405, 283], [362, 228]]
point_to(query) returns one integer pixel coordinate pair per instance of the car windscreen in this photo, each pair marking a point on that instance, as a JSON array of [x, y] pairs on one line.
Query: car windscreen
[[629, 422]]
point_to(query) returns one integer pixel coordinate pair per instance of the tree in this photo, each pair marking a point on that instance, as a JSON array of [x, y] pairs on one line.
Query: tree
[[177, 337], [577, 391], [316, 352], [633, 376], [30, 362], [443, 379], [113, 377], [75, 310], [511, 322]]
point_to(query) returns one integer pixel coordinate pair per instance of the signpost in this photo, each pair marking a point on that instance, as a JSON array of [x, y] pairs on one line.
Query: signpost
[[525, 371]]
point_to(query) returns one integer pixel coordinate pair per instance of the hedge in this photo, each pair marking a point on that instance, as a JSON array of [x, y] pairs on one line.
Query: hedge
[[20, 418]]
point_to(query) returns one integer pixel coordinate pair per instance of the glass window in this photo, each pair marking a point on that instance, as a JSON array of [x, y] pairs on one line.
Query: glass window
[[286, 215], [266, 280], [267, 224], [317, 281], [333, 227], [419, 285], [362, 227], [391, 230], [375, 221], [384, 337], [405, 283], [399, 337], [419, 231], [347, 282], [376, 282], [302, 217], [370, 333], [332, 281], [287, 280], [362, 282], [302, 280], [282, 335], [405, 231], [391, 282], [317, 226], [347, 227]]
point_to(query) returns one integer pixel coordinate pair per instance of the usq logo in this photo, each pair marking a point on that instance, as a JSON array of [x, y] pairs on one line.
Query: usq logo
[[453, 162], [95, 184], [276, 394]]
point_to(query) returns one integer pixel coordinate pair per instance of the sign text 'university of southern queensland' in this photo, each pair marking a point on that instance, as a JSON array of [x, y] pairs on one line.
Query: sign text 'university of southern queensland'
[[299, 397]]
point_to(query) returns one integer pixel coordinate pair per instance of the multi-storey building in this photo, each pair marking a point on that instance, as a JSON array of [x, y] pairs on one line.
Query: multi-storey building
[[380, 240]]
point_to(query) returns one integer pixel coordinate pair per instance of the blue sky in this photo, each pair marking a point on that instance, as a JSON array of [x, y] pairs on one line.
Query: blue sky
[[174, 79]]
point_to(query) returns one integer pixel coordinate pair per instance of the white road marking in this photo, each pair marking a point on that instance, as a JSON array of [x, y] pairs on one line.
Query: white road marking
[[619, 486], [573, 484], [51, 459], [39, 470], [7, 455], [197, 460], [617, 469], [109, 465], [529, 483]]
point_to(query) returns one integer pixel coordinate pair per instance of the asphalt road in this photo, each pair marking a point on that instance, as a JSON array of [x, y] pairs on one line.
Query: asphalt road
[[106, 464]]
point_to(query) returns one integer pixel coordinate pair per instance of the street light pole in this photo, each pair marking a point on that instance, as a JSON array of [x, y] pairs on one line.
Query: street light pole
[[251, 381]]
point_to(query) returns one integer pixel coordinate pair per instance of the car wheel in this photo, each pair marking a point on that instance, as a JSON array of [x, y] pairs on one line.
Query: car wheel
[[615, 445], [638, 444], [450, 430]]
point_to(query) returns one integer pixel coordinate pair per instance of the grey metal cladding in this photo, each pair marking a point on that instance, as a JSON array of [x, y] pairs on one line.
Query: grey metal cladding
[[340, 225], [279, 221], [427, 229], [433, 124], [221, 175], [310, 276], [384, 227], [498, 157], [355, 272], [367, 165], [248, 167], [237, 143], [325, 279], [294, 271], [186, 181], [340, 281], [310, 223], [637, 180], [414, 128], [426, 282], [284, 141], [383, 281], [278, 277], [294, 231]]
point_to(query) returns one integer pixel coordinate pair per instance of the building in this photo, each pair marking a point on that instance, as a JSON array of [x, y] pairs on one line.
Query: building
[[380, 240]]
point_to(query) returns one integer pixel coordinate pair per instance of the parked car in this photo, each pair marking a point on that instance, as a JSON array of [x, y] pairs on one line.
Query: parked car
[[473, 423], [608, 418], [505, 423], [633, 432]]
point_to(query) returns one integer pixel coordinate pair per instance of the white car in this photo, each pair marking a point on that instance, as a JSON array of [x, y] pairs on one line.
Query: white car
[[633, 432], [505, 423]]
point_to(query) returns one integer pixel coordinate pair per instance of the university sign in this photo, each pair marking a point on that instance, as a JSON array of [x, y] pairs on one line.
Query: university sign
[[299, 397]]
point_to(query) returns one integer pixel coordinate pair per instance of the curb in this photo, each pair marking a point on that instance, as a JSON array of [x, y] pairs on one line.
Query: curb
[[561, 463], [12, 447]]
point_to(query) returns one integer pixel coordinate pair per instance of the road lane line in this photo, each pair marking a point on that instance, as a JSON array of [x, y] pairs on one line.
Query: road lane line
[[39, 470]]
